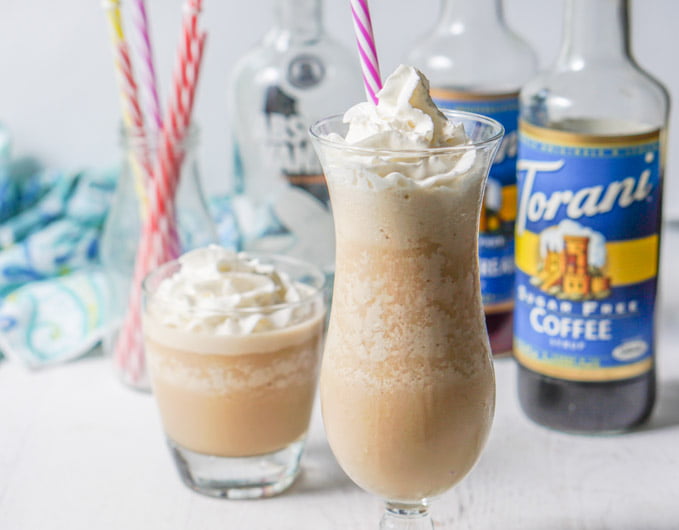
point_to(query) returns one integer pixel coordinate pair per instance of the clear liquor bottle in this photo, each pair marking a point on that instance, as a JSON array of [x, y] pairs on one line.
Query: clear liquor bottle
[[590, 171], [476, 63], [296, 75]]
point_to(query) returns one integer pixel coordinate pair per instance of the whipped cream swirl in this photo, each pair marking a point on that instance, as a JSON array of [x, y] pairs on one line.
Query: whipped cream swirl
[[221, 292], [407, 120]]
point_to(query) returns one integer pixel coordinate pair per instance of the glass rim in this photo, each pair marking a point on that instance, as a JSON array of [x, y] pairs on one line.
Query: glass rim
[[316, 290], [499, 131]]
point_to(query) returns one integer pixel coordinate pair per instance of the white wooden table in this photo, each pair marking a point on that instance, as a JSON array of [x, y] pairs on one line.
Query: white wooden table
[[80, 451]]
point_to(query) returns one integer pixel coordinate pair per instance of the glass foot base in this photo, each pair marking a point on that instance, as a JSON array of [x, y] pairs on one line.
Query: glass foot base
[[399, 516], [251, 477]]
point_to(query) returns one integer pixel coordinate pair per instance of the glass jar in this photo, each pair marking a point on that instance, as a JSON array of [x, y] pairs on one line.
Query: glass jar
[[124, 225]]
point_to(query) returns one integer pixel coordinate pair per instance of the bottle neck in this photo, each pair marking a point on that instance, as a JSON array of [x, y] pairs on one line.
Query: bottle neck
[[458, 16], [297, 21], [595, 32]]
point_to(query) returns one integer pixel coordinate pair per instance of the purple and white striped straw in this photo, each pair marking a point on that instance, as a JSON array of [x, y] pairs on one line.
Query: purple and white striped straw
[[147, 69], [365, 40]]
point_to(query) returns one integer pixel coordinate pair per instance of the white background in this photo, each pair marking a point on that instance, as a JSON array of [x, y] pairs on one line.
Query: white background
[[59, 98]]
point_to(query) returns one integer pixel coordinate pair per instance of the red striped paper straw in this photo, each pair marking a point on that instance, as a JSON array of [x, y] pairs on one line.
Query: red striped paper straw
[[367, 51], [128, 354], [186, 70], [160, 241], [148, 70], [170, 153], [133, 119], [132, 114]]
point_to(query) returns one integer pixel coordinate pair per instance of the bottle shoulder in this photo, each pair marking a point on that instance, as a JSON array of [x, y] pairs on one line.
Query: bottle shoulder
[[477, 62], [602, 92], [271, 47], [267, 57], [306, 81]]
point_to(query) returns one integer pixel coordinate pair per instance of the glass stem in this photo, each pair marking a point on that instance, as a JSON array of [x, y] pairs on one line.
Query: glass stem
[[399, 516]]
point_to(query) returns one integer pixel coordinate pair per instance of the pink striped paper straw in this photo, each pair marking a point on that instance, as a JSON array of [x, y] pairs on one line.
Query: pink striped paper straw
[[148, 70], [367, 51]]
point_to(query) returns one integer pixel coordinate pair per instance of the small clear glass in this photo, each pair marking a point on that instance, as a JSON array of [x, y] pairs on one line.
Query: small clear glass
[[122, 230], [407, 381], [236, 408]]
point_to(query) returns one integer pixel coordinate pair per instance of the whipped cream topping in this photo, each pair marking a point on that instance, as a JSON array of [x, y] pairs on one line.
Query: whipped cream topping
[[406, 119], [221, 292]]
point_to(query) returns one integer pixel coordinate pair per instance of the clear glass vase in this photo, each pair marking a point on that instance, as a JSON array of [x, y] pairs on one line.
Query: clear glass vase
[[124, 225]]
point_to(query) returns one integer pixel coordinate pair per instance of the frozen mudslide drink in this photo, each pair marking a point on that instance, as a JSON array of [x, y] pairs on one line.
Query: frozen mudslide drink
[[407, 382], [232, 343]]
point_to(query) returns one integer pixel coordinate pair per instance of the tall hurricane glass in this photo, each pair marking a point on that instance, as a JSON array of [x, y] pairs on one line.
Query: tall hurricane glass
[[407, 381]]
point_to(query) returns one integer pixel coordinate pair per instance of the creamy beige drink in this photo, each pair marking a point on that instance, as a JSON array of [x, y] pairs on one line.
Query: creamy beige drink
[[231, 395], [232, 345], [407, 383]]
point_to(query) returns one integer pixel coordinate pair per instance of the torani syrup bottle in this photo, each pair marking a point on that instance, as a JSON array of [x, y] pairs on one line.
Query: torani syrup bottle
[[591, 153], [477, 64]]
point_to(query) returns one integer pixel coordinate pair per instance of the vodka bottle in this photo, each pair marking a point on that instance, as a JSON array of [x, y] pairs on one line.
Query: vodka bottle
[[296, 75]]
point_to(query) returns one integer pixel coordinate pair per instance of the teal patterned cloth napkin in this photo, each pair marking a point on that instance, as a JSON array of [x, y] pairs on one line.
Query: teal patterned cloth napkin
[[53, 296], [52, 321], [53, 293]]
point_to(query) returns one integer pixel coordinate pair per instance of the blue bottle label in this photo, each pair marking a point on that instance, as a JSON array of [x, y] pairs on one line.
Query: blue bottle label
[[587, 239], [496, 233]]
